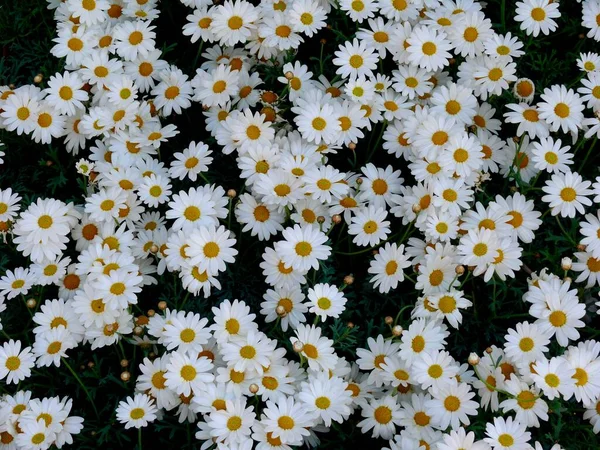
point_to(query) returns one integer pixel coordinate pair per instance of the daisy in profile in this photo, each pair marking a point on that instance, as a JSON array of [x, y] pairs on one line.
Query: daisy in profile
[[15, 364], [388, 267], [136, 411], [303, 247], [382, 416], [326, 301], [428, 49], [567, 194], [537, 16], [233, 22], [561, 108], [369, 226]]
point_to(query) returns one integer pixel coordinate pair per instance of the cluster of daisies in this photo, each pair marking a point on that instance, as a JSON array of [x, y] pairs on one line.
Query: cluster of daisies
[[243, 389]]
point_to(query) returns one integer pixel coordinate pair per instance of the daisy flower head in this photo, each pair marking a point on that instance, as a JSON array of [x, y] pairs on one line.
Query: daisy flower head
[[535, 16], [428, 49], [567, 194], [355, 59], [326, 301], [137, 411], [388, 266], [15, 362], [507, 434], [210, 248], [134, 38], [234, 21], [369, 227], [382, 416], [316, 349], [554, 377], [561, 108], [303, 247]]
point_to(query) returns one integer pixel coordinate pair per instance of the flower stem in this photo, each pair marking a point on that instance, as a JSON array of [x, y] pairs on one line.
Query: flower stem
[[87, 393]]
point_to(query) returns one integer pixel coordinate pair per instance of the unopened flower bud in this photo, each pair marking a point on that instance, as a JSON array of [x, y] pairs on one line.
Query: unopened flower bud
[[125, 376], [38, 78], [298, 346], [124, 363], [350, 325], [567, 279], [231, 193], [336, 218], [253, 388], [280, 310], [151, 313], [162, 305], [154, 249], [581, 247], [91, 364], [320, 219], [473, 359], [459, 270], [349, 279], [31, 303], [352, 146], [389, 320], [138, 331], [289, 75], [489, 350], [359, 181], [397, 331], [416, 208], [566, 263]]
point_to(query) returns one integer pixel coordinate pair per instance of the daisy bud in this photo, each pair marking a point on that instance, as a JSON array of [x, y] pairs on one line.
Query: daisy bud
[[323, 41], [567, 279], [566, 263], [141, 320], [349, 279], [49, 163], [124, 363], [162, 305], [31, 303], [91, 364], [359, 181], [473, 359], [150, 313], [289, 75], [253, 388], [11, 86], [125, 376], [231, 193], [154, 248], [320, 219], [280, 310], [489, 350], [581, 36], [352, 146], [416, 208], [452, 61], [389, 320], [514, 189], [581, 247], [375, 252], [298, 346], [459, 270], [151, 355], [397, 330], [82, 367], [336, 218], [138, 331], [38, 78]]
